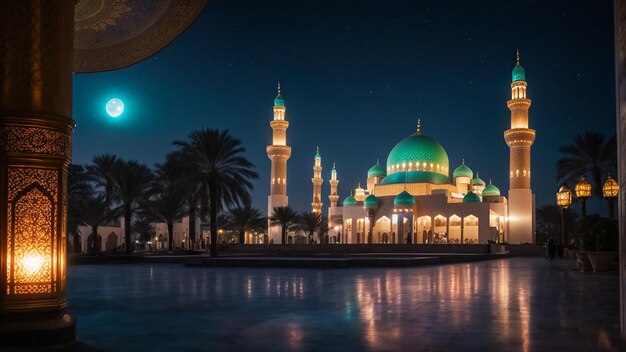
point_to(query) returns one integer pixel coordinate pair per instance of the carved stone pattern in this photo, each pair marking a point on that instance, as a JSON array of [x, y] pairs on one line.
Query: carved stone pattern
[[107, 56], [35, 140], [19, 179], [34, 226], [97, 15]]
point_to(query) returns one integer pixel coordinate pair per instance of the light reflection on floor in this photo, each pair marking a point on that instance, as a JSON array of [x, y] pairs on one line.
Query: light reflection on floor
[[511, 304]]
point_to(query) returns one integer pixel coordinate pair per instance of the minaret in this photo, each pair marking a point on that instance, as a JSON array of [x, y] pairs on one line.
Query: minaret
[[317, 184], [278, 153], [333, 196], [520, 138]]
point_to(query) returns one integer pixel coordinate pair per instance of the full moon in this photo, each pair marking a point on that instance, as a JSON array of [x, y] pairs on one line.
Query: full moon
[[115, 107]]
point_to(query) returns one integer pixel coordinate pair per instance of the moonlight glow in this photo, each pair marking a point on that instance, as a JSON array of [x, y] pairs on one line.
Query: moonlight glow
[[115, 107]]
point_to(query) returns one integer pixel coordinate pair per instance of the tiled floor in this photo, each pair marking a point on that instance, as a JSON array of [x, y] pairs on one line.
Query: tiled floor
[[518, 304]]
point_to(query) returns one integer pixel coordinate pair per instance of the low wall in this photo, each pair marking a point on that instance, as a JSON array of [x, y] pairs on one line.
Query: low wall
[[523, 250]]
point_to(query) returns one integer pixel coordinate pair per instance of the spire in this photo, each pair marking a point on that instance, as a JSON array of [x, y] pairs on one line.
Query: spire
[[517, 58], [317, 152], [333, 165], [278, 96]]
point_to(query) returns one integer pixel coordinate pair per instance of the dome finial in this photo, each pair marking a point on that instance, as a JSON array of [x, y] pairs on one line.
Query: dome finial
[[463, 161], [278, 89], [517, 58], [378, 163], [419, 124], [333, 165]]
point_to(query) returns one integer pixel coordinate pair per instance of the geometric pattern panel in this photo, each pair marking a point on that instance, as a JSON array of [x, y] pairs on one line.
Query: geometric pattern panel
[[31, 234]]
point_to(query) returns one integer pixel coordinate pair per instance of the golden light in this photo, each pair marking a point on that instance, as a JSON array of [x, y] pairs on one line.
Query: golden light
[[610, 188], [564, 197], [32, 262], [583, 188]]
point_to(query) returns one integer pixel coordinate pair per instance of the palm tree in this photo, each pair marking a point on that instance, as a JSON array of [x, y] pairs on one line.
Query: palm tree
[[180, 166], [223, 172], [549, 222], [285, 217], [311, 223], [242, 219], [101, 172], [143, 226], [131, 188], [591, 154], [78, 188], [168, 203], [95, 212]]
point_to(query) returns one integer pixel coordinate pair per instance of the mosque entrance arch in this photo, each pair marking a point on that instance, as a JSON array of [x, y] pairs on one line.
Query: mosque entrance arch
[[470, 229], [384, 238], [111, 243], [440, 231], [454, 229], [424, 230], [382, 225]]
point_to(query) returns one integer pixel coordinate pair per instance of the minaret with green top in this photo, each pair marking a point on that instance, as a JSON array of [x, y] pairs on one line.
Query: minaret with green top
[[520, 138], [279, 152], [317, 181], [333, 196]]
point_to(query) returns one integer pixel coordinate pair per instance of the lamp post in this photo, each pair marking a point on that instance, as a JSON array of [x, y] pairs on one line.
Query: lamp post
[[583, 191], [563, 200], [610, 191]]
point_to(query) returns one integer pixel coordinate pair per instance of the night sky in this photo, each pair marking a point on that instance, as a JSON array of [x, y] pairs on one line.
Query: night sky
[[356, 75]]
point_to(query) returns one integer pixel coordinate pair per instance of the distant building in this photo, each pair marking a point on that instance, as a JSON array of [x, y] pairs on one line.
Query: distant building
[[414, 200]]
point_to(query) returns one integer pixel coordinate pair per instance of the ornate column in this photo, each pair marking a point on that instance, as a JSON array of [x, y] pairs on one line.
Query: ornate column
[[36, 57]]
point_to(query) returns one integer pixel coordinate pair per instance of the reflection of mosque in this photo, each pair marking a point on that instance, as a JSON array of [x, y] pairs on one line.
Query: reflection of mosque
[[413, 199]]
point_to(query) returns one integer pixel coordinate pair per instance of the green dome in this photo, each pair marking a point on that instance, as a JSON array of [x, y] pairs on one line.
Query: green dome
[[518, 73], [491, 190], [463, 171], [350, 201], [376, 171], [471, 197], [417, 158], [404, 198], [477, 181], [371, 201], [279, 101]]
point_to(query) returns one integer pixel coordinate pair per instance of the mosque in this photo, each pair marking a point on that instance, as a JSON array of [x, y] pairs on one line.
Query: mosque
[[412, 199]]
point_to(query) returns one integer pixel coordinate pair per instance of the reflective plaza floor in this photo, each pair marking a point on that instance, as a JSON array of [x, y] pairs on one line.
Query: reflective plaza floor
[[516, 304]]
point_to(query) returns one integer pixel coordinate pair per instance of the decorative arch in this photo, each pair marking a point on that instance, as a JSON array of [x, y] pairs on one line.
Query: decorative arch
[[455, 231], [470, 229], [424, 229], [440, 229]]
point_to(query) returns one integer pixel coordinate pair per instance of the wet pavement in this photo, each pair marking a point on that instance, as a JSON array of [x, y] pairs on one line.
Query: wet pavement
[[515, 304]]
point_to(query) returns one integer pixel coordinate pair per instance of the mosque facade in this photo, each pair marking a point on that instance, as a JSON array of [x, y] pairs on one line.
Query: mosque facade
[[416, 199]]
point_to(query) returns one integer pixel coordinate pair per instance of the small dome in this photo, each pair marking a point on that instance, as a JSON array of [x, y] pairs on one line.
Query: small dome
[[350, 201], [279, 101], [463, 171], [478, 182], [471, 197], [491, 190], [404, 198], [518, 73], [376, 171], [371, 201]]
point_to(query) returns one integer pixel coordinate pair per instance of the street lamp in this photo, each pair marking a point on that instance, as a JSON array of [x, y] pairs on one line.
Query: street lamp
[[563, 200], [583, 191], [610, 190]]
